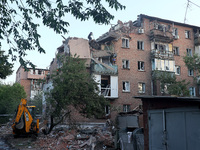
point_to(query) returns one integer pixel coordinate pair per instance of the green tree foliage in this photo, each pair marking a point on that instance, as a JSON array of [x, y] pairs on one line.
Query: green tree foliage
[[193, 62], [5, 66], [74, 87], [10, 97], [168, 80], [37, 101], [19, 26]]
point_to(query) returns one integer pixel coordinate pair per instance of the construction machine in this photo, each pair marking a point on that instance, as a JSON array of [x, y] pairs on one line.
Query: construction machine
[[24, 121]]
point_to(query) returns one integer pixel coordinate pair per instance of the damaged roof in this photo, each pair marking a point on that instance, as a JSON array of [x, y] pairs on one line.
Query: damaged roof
[[108, 36], [100, 53]]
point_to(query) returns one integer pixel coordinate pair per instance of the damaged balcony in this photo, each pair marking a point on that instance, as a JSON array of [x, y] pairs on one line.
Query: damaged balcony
[[161, 36], [162, 54], [101, 68]]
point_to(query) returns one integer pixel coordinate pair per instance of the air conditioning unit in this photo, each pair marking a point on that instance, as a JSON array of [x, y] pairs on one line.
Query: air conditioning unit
[[140, 31]]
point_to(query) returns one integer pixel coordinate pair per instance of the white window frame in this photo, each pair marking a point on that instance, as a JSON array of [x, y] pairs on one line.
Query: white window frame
[[125, 42], [175, 32], [187, 34], [125, 86], [176, 50], [125, 64], [189, 52], [126, 107], [177, 70], [140, 45], [190, 72], [192, 91], [141, 87], [140, 65]]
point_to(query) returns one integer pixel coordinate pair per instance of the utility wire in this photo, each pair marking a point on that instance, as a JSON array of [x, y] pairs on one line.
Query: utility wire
[[188, 4]]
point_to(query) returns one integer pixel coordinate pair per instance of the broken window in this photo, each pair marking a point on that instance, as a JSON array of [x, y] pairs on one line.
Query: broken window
[[125, 64], [192, 91], [178, 70], [125, 43], [140, 45], [176, 50], [161, 47], [126, 86], [140, 65], [189, 52], [141, 87], [190, 72], [105, 85], [187, 34], [126, 108]]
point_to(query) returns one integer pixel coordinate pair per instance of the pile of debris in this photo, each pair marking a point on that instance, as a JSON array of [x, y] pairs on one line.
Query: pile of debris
[[95, 138]]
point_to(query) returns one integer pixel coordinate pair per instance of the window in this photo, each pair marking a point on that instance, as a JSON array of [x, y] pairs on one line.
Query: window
[[141, 87], [187, 34], [192, 91], [140, 65], [140, 45], [125, 64], [175, 32], [175, 50], [190, 72], [107, 110], [126, 108], [177, 70], [189, 52], [126, 86], [125, 43]]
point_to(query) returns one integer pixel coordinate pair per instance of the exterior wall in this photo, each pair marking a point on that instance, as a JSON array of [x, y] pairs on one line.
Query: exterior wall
[[160, 103], [27, 86]]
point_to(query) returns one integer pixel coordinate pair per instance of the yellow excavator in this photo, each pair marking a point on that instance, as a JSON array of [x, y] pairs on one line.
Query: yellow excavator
[[24, 121]]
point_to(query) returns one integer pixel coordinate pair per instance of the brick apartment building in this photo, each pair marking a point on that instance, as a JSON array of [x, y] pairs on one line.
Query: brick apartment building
[[29, 80], [124, 59]]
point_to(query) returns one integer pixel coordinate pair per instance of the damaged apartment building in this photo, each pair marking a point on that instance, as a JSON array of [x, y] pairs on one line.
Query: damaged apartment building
[[124, 59], [30, 80]]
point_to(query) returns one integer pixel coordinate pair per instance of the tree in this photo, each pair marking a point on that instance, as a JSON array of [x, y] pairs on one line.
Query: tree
[[5, 66], [73, 87], [10, 97], [19, 28], [170, 85]]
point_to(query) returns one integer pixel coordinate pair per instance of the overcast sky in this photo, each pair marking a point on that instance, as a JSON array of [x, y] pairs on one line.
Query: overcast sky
[[166, 9]]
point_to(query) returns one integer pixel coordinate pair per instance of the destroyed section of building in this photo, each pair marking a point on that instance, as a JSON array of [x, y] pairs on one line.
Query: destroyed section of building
[[30, 80]]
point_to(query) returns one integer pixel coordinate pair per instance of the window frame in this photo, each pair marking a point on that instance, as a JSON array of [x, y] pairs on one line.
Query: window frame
[[189, 52], [125, 43], [177, 67], [140, 45], [176, 51], [125, 88], [143, 87], [190, 72], [192, 91], [141, 66], [187, 34], [125, 64], [126, 107]]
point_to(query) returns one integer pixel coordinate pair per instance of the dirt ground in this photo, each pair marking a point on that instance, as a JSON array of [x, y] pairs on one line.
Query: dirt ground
[[58, 140]]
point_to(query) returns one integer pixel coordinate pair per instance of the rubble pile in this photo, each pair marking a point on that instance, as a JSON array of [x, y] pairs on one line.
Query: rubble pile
[[96, 138]]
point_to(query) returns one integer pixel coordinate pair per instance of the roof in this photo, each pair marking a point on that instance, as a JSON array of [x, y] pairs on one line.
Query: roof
[[189, 99], [167, 21]]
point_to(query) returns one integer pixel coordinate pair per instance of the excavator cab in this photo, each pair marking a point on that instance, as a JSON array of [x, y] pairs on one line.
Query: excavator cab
[[25, 121]]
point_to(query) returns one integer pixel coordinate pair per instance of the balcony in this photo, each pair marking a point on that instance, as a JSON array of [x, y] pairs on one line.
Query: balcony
[[104, 69], [161, 36], [162, 54], [160, 73]]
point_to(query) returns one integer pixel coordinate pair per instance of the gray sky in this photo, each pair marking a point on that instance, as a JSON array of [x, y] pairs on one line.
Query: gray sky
[[167, 9]]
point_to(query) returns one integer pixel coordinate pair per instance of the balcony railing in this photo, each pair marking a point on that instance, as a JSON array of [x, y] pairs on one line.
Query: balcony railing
[[161, 36], [162, 54], [106, 91]]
